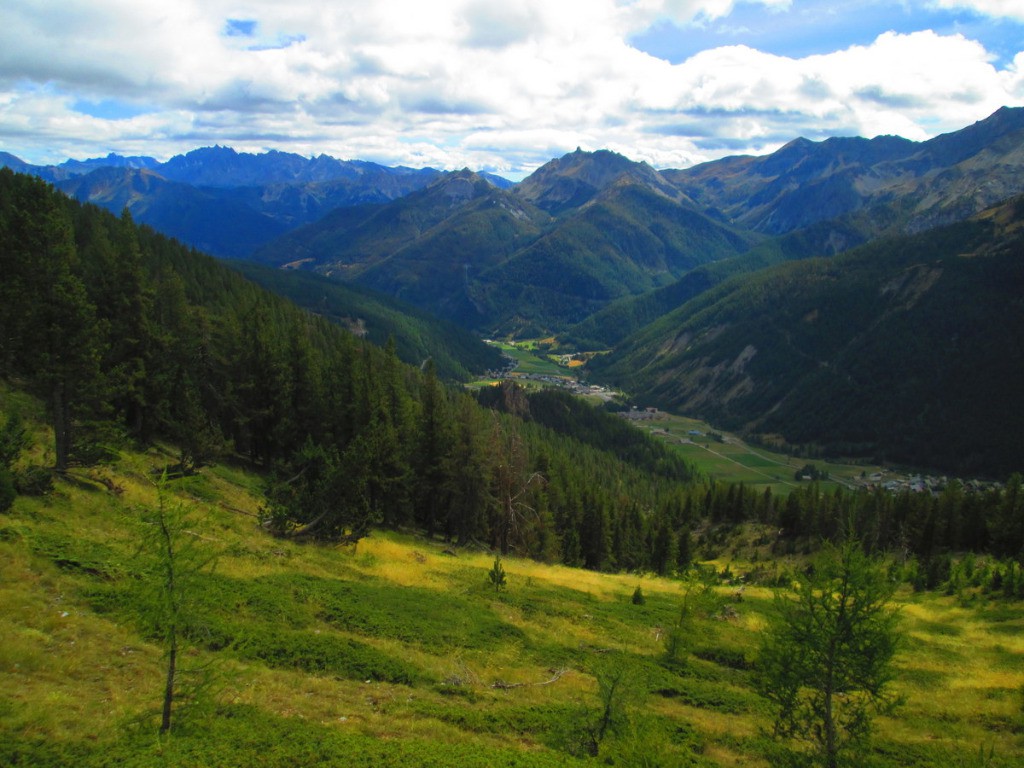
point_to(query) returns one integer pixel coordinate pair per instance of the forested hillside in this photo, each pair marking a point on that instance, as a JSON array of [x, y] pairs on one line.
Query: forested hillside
[[905, 349], [127, 335], [611, 325], [168, 382], [457, 354], [580, 232]]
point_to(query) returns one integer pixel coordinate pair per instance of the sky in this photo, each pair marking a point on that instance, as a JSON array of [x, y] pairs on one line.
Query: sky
[[495, 85]]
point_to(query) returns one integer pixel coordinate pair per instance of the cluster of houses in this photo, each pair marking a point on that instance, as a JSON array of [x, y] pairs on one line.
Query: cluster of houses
[[511, 364], [896, 483], [642, 414]]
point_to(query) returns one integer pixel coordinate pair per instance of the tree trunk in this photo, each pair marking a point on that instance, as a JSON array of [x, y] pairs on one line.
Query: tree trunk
[[61, 427], [831, 758], [172, 658], [171, 586]]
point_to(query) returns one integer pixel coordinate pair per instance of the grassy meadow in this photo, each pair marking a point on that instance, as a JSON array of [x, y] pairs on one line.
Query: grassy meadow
[[731, 460], [399, 651], [530, 362]]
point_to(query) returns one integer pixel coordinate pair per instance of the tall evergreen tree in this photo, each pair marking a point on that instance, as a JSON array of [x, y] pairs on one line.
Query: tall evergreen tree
[[469, 472], [120, 291], [433, 445], [1007, 531], [50, 333]]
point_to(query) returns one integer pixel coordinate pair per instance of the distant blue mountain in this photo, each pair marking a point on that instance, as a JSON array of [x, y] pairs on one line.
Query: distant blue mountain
[[226, 202], [110, 161]]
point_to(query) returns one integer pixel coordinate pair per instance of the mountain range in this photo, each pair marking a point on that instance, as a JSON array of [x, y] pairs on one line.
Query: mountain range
[[887, 184], [224, 202], [592, 230], [852, 295], [582, 231]]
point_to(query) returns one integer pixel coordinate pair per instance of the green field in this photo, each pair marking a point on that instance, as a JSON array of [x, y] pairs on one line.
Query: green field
[[530, 360], [729, 460], [732, 460]]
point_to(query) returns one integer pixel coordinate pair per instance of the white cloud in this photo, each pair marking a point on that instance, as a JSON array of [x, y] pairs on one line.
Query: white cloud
[[1007, 9], [491, 25], [453, 83], [690, 11]]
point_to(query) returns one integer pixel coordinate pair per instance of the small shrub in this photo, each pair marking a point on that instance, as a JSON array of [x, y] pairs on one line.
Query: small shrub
[[711, 696], [497, 575], [725, 657], [638, 597]]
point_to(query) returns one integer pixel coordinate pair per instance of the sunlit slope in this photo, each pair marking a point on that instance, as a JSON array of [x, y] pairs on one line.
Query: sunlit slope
[[400, 652]]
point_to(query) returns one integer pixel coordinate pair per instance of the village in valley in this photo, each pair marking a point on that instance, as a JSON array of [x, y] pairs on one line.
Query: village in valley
[[723, 456]]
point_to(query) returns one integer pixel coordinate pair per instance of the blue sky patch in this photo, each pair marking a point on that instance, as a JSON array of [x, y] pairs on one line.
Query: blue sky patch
[[813, 27], [240, 27], [285, 41], [109, 109]]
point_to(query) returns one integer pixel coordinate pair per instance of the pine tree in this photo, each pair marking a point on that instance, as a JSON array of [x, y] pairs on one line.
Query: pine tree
[[497, 575], [119, 289], [1007, 532], [826, 657], [48, 331], [510, 484], [468, 475], [433, 445], [174, 561]]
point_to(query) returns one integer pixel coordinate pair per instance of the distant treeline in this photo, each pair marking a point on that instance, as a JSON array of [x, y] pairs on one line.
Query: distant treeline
[[927, 527]]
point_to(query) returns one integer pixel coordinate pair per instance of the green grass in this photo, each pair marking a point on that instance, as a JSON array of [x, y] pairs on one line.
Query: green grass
[[397, 653], [532, 362], [735, 461]]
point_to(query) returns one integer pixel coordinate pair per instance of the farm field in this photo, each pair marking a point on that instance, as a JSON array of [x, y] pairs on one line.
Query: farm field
[[530, 362], [730, 459]]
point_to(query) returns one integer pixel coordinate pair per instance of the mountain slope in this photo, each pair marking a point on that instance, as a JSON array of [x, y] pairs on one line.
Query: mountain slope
[[199, 218], [573, 180], [625, 241], [910, 349], [497, 260], [417, 335], [623, 317], [426, 248]]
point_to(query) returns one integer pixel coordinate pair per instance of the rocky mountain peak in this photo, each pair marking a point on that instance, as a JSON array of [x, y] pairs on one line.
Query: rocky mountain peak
[[576, 178]]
